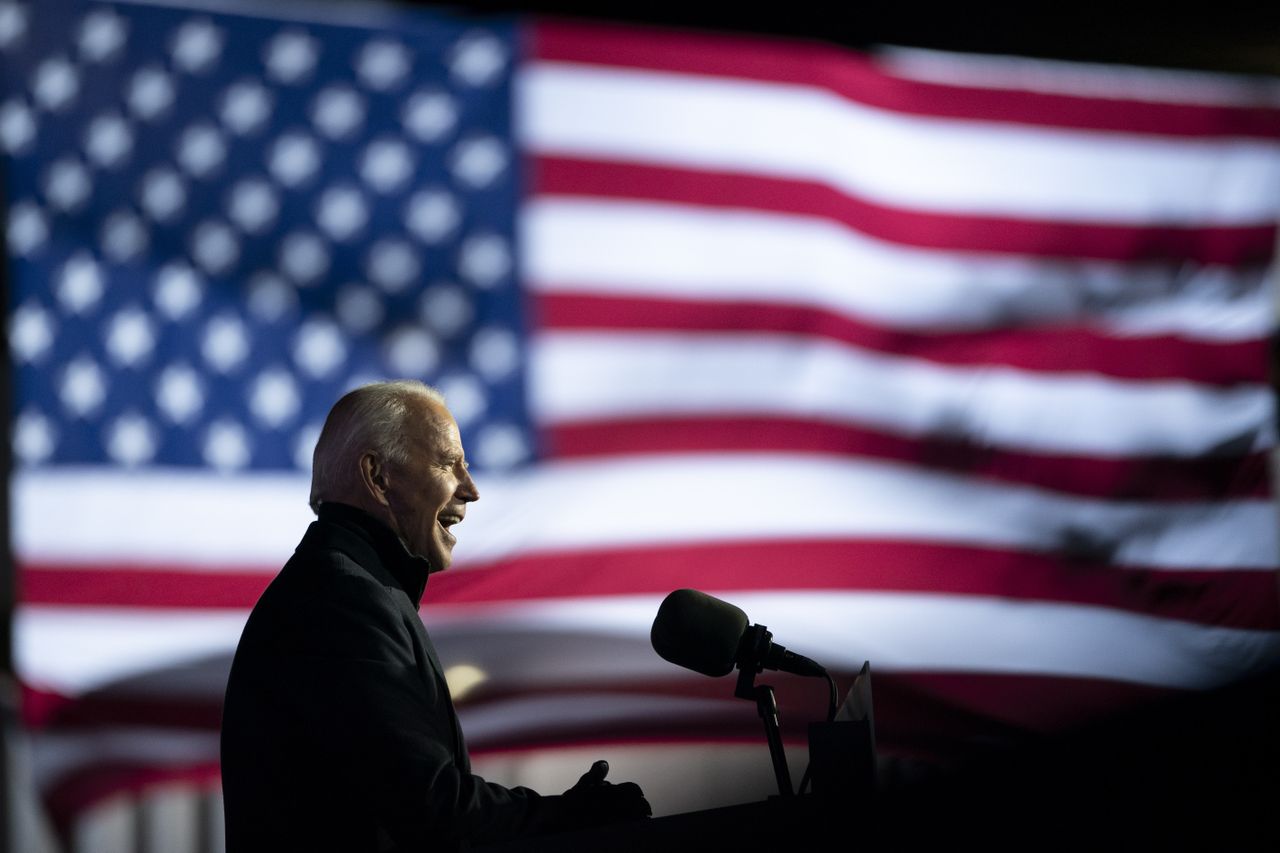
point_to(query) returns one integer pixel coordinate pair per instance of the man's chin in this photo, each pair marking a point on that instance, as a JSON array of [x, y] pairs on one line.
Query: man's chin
[[440, 560]]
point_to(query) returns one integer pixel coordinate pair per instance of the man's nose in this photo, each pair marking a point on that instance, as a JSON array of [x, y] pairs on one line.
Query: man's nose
[[467, 490]]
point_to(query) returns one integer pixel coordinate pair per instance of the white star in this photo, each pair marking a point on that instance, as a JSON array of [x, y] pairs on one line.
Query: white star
[[102, 34], [124, 236], [411, 351], [386, 164], [178, 290], [201, 150], [304, 446], [150, 93], [485, 260], [274, 399], [83, 387], [196, 46], [30, 333], [294, 158], [478, 162], [291, 56], [428, 115], [338, 111], [245, 106], [108, 140], [392, 264], [214, 247], [34, 437], [179, 395], [130, 337], [466, 397], [162, 193], [477, 59], [342, 212], [445, 309], [17, 127], [28, 228], [67, 185], [432, 215], [56, 83], [318, 348], [495, 353], [359, 308], [226, 344], [383, 64], [226, 446], [80, 283], [13, 24], [501, 446], [131, 440], [270, 297], [304, 257], [253, 205]]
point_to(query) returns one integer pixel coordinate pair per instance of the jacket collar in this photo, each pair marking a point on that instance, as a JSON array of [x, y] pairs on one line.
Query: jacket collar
[[371, 543]]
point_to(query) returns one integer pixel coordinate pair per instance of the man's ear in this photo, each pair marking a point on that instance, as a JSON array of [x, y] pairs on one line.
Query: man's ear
[[373, 474]]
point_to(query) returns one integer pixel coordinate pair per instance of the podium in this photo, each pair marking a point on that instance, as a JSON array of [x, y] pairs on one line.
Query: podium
[[842, 764], [795, 823]]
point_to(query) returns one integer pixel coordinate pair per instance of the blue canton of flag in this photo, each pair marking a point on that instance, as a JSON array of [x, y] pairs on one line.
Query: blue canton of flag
[[221, 223]]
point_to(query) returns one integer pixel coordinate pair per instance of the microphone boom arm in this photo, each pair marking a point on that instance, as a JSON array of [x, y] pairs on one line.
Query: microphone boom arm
[[752, 650]]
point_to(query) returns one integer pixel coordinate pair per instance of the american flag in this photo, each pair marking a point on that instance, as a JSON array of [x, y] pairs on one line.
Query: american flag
[[953, 364]]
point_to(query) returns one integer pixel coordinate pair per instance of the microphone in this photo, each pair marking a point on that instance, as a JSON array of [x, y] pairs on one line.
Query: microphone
[[702, 633]]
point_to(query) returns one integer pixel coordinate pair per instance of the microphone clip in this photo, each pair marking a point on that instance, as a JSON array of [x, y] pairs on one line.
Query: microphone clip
[[753, 650]]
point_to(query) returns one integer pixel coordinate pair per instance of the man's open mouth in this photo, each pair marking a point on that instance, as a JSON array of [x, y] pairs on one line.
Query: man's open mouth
[[447, 520]]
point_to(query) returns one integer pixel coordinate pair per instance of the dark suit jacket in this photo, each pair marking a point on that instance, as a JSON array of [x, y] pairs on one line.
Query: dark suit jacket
[[338, 731]]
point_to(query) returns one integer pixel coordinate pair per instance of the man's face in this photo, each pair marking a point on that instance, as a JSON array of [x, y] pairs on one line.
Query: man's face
[[429, 494]]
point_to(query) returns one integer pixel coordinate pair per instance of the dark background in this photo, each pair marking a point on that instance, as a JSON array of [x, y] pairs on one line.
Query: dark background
[[1204, 36]]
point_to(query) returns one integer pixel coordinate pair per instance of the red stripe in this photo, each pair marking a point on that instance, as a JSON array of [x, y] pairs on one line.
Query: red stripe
[[1071, 348], [1127, 478], [78, 792], [1231, 598], [923, 704], [927, 712], [1230, 245], [46, 708], [123, 585], [1236, 598], [860, 78]]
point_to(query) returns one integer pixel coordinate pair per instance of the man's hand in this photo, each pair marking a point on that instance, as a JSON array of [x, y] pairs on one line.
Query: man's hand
[[593, 801]]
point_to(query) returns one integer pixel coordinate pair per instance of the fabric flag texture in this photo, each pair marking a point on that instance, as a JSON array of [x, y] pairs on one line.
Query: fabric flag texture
[[955, 364]]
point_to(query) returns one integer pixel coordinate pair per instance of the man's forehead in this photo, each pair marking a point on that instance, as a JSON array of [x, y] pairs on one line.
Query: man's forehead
[[439, 428]]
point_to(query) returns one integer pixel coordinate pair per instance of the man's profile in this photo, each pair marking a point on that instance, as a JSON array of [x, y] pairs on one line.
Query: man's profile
[[338, 729]]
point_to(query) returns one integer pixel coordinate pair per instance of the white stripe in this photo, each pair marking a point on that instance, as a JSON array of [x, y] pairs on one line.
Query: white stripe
[[608, 638], [1089, 80], [58, 753], [201, 519], [895, 632], [73, 650], [588, 376], [759, 497], [808, 133], [702, 498], [572, 245], [536, 717]]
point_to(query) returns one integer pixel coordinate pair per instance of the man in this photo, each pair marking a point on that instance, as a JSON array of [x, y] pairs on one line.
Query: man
[[338, 730]]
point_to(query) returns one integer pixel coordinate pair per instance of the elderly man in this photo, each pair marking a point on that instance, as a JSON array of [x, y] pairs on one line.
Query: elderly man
[[338, 730]]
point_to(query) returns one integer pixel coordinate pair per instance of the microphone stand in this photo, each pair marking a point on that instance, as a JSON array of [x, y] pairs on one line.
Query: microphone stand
[[751, 652]]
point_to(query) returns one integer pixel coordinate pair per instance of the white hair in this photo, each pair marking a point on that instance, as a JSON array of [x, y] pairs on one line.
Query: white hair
[[371, 418]]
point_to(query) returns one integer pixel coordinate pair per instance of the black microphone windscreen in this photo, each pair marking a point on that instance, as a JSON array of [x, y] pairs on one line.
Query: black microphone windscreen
[[698, 631]]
